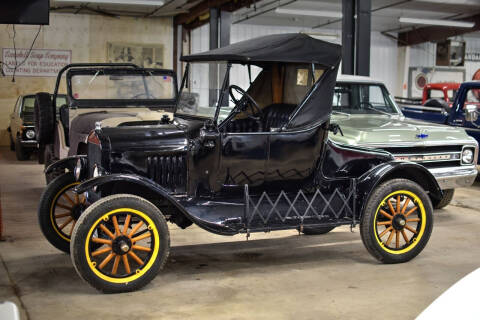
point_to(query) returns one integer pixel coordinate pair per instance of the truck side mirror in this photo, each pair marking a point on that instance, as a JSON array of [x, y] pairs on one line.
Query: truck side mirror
[[471, 113]]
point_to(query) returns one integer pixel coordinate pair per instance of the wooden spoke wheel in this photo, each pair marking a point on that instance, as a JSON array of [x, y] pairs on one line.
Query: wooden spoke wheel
[[120, 243], [397, 221], [59, 210]]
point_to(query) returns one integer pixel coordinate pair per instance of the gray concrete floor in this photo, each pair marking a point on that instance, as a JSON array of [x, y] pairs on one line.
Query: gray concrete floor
[[278, 275]]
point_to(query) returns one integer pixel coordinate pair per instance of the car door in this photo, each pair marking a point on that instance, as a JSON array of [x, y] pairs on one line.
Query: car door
[[243, 157]]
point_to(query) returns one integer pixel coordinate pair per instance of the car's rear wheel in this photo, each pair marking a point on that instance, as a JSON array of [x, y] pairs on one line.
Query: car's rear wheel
[[397, 221], [12, 143], [312, 231], [134, 240], [20, 151], [445, 201], [59, 210]]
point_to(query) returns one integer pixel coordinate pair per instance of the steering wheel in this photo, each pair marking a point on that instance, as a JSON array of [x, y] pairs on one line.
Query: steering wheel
[[245, 101]]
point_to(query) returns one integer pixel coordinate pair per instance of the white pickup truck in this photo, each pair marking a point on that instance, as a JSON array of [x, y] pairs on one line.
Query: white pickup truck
[[368, 117]]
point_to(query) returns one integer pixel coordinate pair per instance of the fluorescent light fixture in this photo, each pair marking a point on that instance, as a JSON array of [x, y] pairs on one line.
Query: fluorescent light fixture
[[155, 3], [434, 22], [311, 13]]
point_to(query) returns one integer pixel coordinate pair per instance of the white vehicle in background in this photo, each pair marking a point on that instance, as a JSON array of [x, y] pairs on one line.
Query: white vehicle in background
[[368, 117]]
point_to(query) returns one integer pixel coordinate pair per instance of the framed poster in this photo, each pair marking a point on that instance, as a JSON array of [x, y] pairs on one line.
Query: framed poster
[[146, 56]]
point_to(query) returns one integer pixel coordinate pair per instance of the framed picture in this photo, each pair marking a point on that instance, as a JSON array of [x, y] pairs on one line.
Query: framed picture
[[146, 56]]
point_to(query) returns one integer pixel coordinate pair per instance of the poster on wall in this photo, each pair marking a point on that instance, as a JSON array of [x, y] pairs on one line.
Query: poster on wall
[[39, 63], [146, 56]]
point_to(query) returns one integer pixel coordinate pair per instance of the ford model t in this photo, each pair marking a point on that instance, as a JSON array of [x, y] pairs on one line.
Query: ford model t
[[242, 161]]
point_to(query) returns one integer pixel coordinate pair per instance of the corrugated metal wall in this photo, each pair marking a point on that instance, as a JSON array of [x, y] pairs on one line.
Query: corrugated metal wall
[[383, 53]]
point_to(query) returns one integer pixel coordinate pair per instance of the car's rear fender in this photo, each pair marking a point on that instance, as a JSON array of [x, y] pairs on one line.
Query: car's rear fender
[[367, 183]]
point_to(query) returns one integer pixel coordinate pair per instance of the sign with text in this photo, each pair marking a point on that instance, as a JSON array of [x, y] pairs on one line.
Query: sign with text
[[40, 62]]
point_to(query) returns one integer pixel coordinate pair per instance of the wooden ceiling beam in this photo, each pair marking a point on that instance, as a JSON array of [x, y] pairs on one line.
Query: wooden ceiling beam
[[436, 33]]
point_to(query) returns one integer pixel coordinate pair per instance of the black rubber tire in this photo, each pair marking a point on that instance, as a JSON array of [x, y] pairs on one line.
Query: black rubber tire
[[44, 214], [312, 231], [12, 143], [97, 211], [445, 201], [367, 230], [49, 158], [44, 118], [20, 151]]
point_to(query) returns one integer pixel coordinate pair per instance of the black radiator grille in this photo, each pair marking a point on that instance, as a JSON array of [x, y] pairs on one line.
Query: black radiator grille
[[170, 171]]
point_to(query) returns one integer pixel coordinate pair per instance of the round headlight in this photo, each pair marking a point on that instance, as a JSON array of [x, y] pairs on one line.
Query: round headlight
[[96, 172], [30, 134], [77, 172], [467, 156]]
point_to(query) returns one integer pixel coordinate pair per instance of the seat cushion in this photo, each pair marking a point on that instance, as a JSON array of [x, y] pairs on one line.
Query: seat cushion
[[244, 125]]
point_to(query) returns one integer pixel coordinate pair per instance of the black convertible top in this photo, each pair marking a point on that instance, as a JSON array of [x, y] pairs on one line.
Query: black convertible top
[[288, 47]]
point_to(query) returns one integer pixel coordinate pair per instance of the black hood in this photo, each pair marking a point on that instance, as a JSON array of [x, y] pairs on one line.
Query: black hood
[[154, 138]]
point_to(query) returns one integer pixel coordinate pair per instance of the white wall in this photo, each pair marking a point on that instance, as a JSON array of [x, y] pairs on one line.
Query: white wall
[[423, 55]]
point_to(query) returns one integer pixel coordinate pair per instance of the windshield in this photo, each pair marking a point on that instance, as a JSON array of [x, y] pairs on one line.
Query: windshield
[[122, 87], [29, 102], [355, 98], [201, 90]]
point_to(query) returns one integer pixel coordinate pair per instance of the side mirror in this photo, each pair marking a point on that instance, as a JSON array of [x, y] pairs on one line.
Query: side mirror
[[471, 113]]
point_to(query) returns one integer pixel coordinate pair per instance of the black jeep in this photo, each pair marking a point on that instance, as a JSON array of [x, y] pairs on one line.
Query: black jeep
[[257, 162]]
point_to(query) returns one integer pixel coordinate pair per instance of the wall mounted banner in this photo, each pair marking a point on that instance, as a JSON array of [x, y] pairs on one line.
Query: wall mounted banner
[[40, 62]]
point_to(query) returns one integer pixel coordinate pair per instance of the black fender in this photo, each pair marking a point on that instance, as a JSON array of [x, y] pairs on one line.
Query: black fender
[[137, 180], [415, 172], [65, 163]]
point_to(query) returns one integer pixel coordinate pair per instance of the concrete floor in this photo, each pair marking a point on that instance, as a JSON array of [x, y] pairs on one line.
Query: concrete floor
[[278, 275]]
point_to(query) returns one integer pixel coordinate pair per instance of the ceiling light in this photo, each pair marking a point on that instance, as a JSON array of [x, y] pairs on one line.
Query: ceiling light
[[312, 13], [434, 22], [155, 3]]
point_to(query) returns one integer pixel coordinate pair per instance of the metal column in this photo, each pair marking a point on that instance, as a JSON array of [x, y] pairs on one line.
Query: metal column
[[363, 32], [356, 29], [348, 37], [212, 69]]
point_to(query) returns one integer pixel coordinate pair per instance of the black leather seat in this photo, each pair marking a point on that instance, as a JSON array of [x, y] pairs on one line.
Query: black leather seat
[[276, 115]]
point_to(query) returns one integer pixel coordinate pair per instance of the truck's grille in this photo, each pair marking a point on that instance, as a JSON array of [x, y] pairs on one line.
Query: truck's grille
[[168, 171], [429, 156], [94, 153]]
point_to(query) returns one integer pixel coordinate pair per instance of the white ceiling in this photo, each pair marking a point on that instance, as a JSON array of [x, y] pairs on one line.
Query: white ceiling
[[385, 13]]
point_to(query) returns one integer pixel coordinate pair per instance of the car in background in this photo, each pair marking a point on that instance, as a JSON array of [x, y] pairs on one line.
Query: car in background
[[115, 94], [369, 117], [21, 128], [463, 113]]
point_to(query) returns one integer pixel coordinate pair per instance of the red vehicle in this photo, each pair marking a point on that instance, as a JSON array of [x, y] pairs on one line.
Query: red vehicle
[[445, 91]]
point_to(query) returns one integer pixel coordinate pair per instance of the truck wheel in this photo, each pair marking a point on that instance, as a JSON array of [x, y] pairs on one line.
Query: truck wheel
[[44, 118], [49, 158], [397, 221], [312, 231], [20, 151], [12, 144], [130, 255], [59, 209], [445, 201]]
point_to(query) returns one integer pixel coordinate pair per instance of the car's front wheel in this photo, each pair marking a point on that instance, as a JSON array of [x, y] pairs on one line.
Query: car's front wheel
[[20, 151], [120, 243], [397, 221]]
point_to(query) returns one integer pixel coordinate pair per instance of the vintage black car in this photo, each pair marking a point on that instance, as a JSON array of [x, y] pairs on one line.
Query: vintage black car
[[260, 162]]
